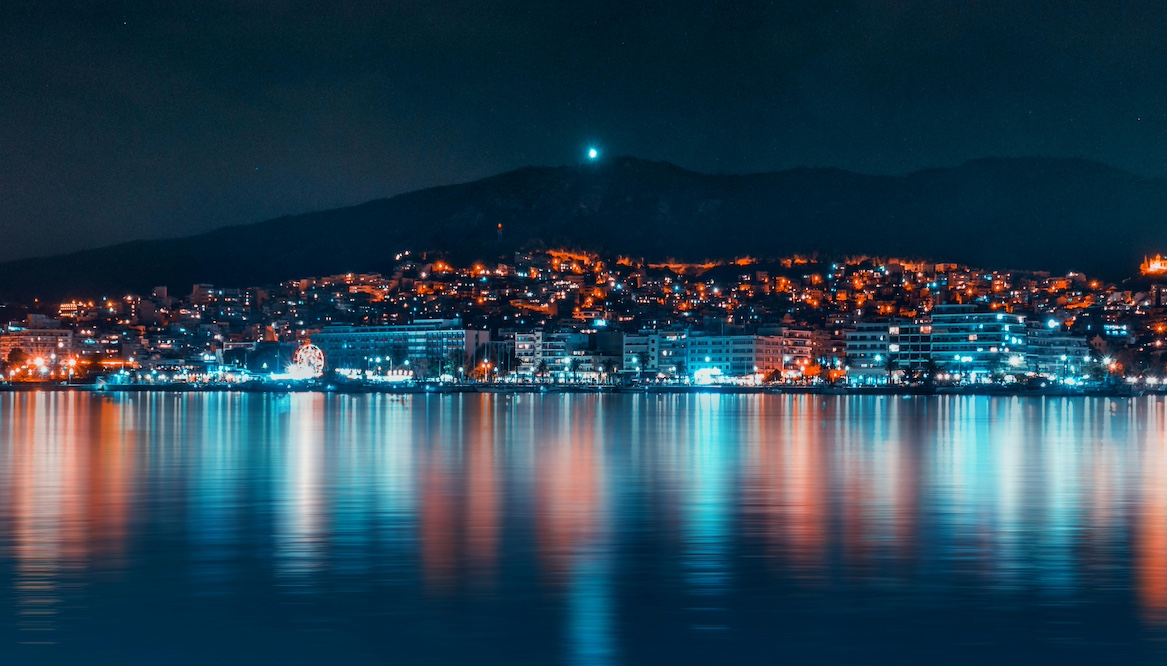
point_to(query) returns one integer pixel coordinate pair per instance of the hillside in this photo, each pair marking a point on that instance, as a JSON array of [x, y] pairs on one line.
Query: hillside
[[1041, 214]]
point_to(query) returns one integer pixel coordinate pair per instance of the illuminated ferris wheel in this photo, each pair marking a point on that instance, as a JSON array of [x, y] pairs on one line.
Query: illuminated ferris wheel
[[308, 361]]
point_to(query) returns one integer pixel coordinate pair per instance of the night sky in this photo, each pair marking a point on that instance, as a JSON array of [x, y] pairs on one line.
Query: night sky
[[123, 120]]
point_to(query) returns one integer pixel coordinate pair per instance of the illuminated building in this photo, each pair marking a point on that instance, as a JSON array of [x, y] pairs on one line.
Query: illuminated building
[[650, 351], [426, 345], [551, 351], [1152, 266], [42, 343], [975, 344], [797, 351], [909, 342], [867, 349], [734, 355], [1053, 352]]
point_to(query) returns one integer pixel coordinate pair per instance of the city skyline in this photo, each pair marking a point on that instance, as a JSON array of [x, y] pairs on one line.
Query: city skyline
[[582, 319]]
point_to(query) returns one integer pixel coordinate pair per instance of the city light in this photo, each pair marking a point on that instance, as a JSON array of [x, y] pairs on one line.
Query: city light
[[864, 322]]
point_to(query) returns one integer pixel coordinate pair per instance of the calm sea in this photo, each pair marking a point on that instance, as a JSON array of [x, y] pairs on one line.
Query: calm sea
[[309, 529]]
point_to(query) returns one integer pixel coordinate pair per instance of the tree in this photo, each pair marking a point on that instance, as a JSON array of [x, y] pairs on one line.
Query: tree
[[573, 368], [997, 368], [17, 357], [930, 372], [421, 368], [541, 368], [642, 359], [612, 369], [450, 364], [892, 367]]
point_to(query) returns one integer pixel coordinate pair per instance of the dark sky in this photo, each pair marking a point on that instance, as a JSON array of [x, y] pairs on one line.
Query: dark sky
[[123, 120]]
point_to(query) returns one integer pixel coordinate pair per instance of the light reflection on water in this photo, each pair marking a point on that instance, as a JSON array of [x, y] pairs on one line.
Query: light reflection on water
[[226, 528]]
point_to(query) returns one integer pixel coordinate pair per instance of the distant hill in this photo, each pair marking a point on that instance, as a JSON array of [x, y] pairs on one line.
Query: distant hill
[[1040, 214]]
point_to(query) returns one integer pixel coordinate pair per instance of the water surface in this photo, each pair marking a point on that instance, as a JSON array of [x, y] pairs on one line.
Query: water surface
[[300, 529]]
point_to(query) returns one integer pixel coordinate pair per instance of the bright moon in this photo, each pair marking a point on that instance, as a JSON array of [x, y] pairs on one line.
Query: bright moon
[[593, 153]]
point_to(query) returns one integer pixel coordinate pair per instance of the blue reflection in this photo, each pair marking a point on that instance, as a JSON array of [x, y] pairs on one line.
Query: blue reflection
[[304, 528]]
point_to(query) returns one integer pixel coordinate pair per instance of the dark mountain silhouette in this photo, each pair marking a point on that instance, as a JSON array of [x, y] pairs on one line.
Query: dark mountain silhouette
[[1031, 213]]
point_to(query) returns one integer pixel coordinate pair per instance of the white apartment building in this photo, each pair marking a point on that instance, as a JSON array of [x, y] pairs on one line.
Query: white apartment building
[[734, 355], [651, 352]]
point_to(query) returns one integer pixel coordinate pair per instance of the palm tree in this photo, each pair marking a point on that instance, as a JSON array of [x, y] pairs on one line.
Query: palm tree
[[541, 368], [612, 368], [573, 368], [931, 369], [891, 367], [642, 359]]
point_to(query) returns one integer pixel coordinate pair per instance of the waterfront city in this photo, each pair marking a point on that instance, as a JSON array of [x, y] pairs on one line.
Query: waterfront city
[[576, 319]]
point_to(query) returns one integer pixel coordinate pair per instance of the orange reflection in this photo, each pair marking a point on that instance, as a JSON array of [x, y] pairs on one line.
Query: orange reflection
[[438, 521], [482, 501], [70, 480], [804, 484], [788, 485], [569, 492], [460, 513], [1151, 548], [111, 473]]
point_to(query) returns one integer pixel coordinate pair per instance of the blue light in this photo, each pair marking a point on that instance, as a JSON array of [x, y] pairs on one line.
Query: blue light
[[593, 153]]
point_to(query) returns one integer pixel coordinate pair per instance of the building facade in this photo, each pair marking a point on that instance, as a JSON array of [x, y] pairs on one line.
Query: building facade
[[733, 356], [43, 343], [428, 347], [1052, 352], [867, 349], [909, 344], [653, 352], [976, 345], [550, 353]]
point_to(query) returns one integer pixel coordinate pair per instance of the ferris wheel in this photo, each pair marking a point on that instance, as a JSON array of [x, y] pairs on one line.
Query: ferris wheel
[[308, 361]]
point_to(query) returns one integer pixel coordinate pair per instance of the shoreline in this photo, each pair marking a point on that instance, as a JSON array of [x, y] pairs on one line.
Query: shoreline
[[429, 389]]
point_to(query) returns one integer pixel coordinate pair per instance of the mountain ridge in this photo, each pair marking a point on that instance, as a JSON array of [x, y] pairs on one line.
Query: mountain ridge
[[1055, 214]]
